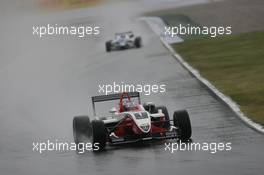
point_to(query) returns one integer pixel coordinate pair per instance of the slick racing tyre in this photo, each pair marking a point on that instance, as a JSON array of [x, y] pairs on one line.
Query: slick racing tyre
[[166, 114], [138, 42], [81, 128], [98, 135], [181, 120], [108, 46]]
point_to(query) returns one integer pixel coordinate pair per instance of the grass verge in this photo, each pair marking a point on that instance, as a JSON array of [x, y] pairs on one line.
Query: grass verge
[[234, 64], [67, 4]]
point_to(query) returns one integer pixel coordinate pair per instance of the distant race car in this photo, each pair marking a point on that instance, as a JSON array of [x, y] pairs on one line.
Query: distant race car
[[122, 41], [131, 122]]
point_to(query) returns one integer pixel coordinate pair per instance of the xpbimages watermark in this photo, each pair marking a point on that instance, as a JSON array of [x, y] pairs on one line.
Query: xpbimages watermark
[[147, 89], [212, 147], [212, 31], [52, 30], [59, 146]]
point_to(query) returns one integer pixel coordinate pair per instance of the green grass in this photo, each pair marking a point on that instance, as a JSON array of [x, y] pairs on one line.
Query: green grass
[[69, 4], [234, 64]]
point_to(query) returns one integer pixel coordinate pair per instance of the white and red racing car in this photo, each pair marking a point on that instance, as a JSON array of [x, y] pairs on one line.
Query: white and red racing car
[[131, 122]]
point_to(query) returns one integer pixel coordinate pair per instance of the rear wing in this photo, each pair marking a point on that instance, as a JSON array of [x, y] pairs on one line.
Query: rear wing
[[127, 32], [109, 97]]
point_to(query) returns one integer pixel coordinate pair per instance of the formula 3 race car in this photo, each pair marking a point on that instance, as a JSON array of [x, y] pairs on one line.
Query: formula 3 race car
[[131, 122], [122, 41]]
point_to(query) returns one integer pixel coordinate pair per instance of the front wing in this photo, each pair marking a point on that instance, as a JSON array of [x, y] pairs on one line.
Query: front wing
[[144, 137]]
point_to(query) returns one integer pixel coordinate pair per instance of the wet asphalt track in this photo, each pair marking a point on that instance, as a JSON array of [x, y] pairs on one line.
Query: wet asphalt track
[[45, 82]]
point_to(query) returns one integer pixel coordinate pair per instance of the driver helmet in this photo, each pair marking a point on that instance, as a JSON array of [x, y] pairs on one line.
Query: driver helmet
[[129, 105]]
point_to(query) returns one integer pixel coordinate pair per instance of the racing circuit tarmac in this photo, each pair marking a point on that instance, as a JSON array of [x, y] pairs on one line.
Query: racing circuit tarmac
[[45, 82]]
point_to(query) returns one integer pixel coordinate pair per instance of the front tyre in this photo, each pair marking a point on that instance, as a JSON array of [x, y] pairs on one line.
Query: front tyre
[[81, 128], [98, 135], [138, 42], [181, 120]]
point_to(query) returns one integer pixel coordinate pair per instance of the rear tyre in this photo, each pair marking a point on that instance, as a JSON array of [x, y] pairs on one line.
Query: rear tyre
[[108, 46], [181, 120], [166, 114], [138, 42], [98, 135], [81, 127]]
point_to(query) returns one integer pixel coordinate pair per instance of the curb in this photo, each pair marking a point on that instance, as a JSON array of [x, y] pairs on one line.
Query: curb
[[226, 100]]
